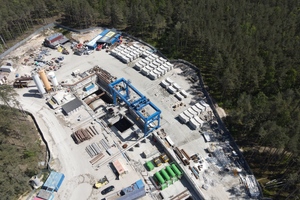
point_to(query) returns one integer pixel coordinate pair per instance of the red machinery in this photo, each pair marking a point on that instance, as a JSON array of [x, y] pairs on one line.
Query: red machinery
[[99, 47]]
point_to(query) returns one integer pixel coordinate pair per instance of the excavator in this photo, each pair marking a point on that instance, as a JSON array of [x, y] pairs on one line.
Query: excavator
[[103, 181]]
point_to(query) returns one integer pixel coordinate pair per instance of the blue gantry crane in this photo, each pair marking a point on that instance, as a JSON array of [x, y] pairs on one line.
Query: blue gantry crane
[[121, 88]]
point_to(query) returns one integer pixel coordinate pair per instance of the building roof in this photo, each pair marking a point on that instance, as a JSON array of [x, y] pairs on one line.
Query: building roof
[[140, 184], [108, 36], [51, 37], [121, 169], [134, 191], [53, 181], [63, 40], [93, 42], [72, 105], [44, 194]]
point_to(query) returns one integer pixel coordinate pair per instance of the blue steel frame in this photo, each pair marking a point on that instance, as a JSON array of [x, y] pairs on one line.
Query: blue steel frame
[[136, 105]]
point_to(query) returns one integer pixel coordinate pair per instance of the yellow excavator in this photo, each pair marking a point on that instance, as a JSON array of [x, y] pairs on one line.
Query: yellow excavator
[[103, 181]]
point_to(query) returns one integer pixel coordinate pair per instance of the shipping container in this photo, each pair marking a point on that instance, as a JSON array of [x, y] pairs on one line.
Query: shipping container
[[53, 181], [89, 87]]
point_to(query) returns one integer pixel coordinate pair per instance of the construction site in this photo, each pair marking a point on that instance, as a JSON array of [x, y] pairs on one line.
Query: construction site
[[114, 110]]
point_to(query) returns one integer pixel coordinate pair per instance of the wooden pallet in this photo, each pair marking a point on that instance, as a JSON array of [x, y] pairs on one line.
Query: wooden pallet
[[97, 158]]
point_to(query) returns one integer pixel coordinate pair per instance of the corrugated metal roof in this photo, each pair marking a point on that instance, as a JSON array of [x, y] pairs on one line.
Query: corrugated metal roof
[[51, 37], [119, 167], [44, 194], [93, 42], [53, 181], [132, 192], [72, 105], [110, 35]]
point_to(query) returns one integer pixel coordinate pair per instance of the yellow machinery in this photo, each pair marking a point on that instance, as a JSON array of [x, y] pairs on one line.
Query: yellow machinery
[[59, 49], [157, 161], [103, 181], [164, 157]]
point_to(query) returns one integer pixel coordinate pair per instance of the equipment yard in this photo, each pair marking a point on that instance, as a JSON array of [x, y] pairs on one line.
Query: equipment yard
[[127, 114]]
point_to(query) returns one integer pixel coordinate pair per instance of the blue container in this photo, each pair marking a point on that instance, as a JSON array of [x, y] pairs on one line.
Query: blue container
[[53, 181], [89, 87]]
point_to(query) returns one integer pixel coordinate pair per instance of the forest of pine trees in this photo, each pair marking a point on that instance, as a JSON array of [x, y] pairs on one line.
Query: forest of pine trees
[[248, 52]]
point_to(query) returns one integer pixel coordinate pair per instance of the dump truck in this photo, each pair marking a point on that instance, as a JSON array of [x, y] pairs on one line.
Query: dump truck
[[103, 181]]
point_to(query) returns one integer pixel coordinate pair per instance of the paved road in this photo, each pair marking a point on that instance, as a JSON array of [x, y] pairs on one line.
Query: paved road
[[65, 155]]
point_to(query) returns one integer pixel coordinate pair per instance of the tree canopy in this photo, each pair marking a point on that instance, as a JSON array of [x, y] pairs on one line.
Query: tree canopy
[[20, 148]]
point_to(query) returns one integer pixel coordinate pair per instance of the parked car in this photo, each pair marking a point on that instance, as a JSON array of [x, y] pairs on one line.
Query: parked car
[[107, 190], [61, 58]]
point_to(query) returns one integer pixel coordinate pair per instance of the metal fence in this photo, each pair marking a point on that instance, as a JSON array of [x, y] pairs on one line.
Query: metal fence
[[8, 51]]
